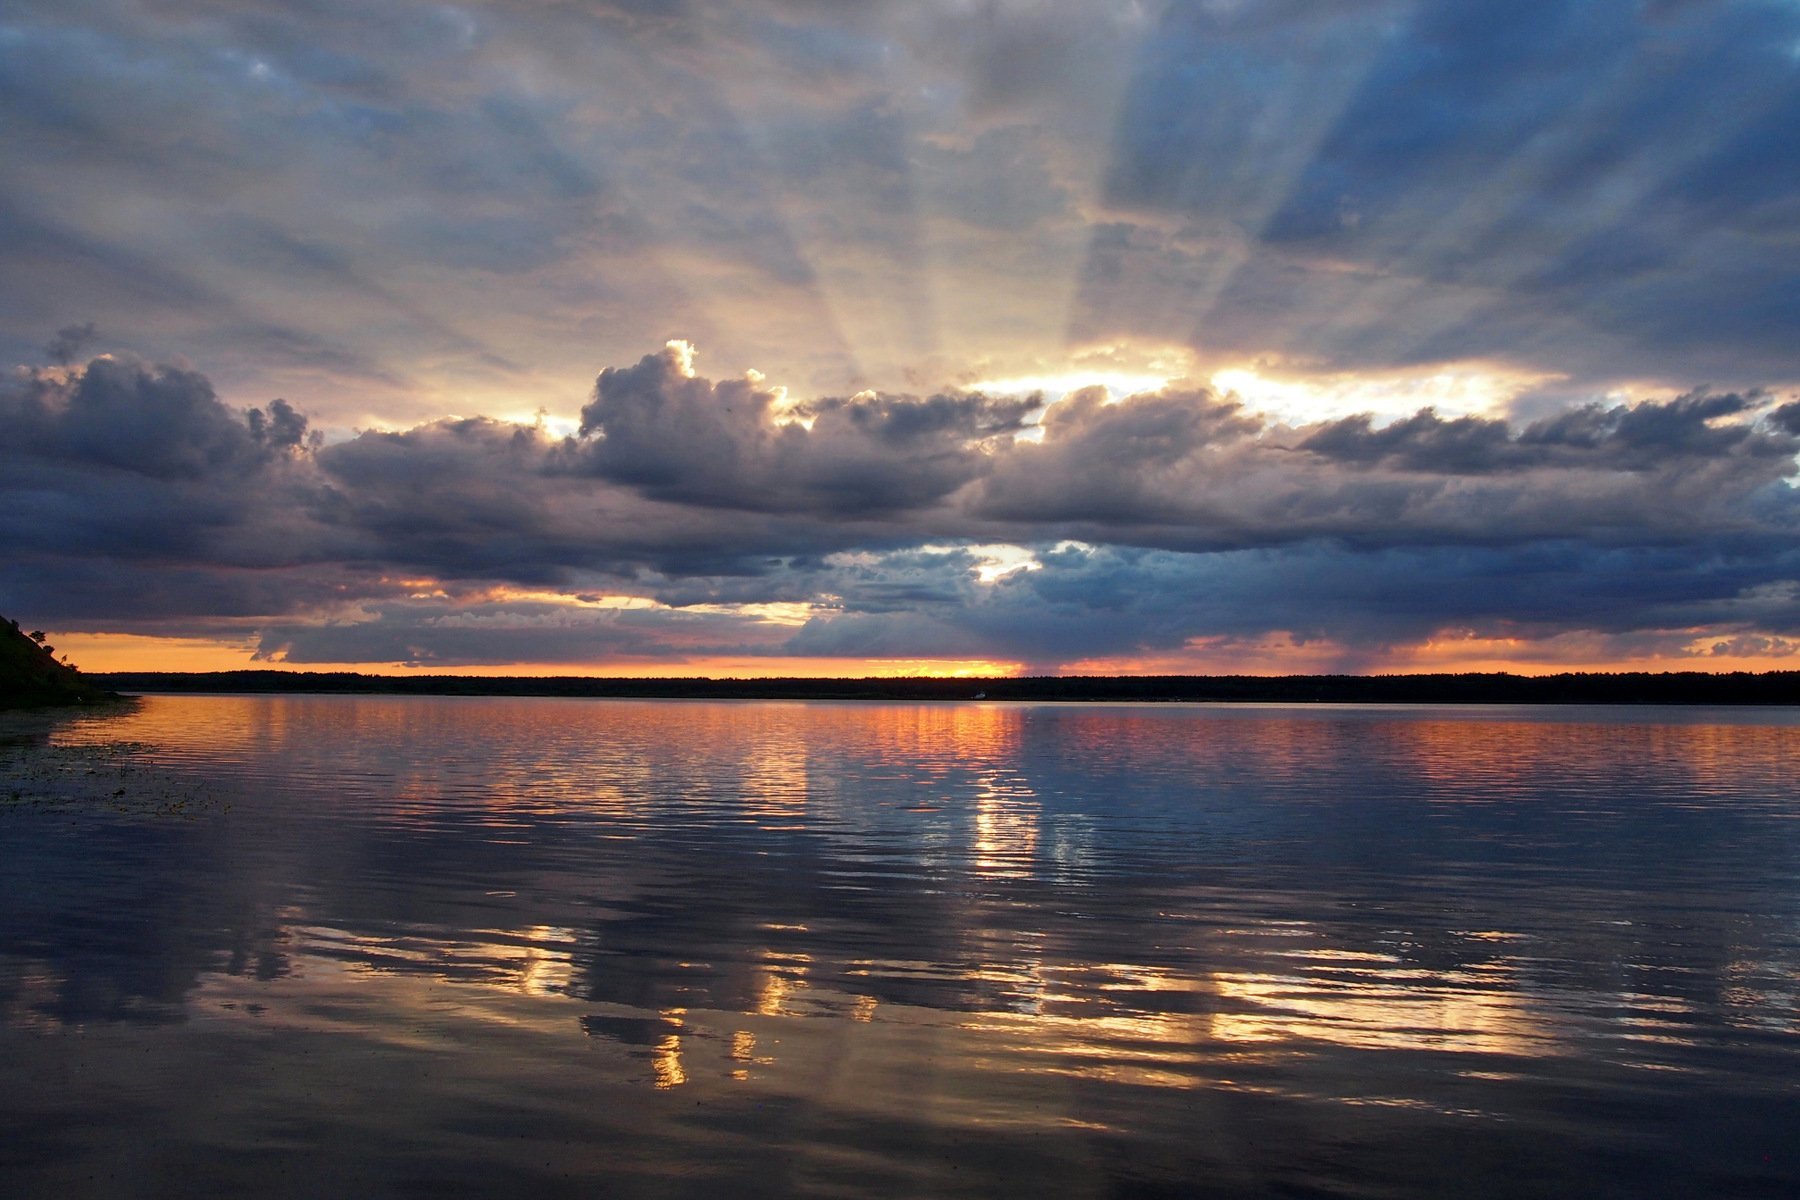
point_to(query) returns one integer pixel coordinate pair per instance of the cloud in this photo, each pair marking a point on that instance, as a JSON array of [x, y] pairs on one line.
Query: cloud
[[676, 436], [689, 517], [1129, 463], [1652, 436], [1099, 602], [160, 421], [129, 493], [1191, 470]]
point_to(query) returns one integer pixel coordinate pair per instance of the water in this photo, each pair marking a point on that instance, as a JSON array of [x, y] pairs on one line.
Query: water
[[337, 946]]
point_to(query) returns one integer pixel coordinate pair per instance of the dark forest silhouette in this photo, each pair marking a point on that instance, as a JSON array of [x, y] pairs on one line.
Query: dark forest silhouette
[[1687, 687]]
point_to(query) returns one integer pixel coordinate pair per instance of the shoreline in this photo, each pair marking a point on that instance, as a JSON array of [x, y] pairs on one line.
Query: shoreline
[[1774, 688]]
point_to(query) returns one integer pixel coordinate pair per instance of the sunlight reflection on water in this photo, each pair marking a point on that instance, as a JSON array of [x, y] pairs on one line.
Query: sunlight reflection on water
[[951, 948]]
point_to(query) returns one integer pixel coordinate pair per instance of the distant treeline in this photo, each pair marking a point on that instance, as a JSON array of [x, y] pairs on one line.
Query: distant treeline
[[1686, 687]]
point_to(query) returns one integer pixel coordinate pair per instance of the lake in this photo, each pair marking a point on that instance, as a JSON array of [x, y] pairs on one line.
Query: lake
[[341, 946]]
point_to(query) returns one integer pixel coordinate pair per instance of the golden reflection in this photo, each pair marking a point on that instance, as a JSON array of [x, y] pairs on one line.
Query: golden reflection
[[743, 1055], [1066, 1022], [774, 778], [1508, 759], [941, 743], [37, 987], [535, 961], [1145, 1050], [941, 737], [1006, 826], [1495, 756], [1257, 989], [1375, 1014], [665, 1060], [1758, 994], [546, 969], [781, 976], [1084, 1021]]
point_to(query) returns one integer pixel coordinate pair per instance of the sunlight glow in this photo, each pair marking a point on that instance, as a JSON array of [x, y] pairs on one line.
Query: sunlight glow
[[1468, 389], [683, 352], [993, 561], [135, 652], [1356, 1007], [774, 612], [1274, 654], [1054, 386]]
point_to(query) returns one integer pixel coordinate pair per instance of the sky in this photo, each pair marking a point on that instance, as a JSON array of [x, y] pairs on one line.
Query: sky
[[815, 337]]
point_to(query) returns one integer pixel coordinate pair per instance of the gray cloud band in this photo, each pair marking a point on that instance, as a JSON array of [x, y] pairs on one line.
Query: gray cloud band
[[134, 498]]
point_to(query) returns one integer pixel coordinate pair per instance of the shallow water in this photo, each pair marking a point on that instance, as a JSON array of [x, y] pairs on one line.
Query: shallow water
[[370, 946]]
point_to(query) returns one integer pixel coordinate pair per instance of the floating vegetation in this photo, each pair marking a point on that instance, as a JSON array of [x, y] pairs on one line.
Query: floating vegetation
[[95, 777]]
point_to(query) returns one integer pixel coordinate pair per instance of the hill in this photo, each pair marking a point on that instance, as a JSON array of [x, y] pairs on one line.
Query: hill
[[30, 676]]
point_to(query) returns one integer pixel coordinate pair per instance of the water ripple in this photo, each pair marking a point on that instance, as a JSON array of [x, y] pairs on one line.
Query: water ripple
[[1255, 944]]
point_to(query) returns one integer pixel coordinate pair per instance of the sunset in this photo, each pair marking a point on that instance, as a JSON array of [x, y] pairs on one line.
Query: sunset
[[777, 339], [733, 599]]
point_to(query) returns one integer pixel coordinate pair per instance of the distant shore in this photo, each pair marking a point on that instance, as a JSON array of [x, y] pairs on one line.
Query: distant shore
[[1687, 687]]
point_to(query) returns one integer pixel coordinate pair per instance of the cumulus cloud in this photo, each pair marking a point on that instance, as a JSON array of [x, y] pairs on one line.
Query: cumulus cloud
[[1136, 462], [661, 428], [140, 461], [155, 420]]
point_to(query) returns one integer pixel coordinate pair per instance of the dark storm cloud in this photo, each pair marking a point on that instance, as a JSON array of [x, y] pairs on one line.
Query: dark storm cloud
[[1787, 418], [135, 498], [470, 499], [129, 493]]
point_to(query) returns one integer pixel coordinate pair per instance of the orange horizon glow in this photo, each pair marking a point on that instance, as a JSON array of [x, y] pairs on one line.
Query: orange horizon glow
[[101, 653], [1268, 657]]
